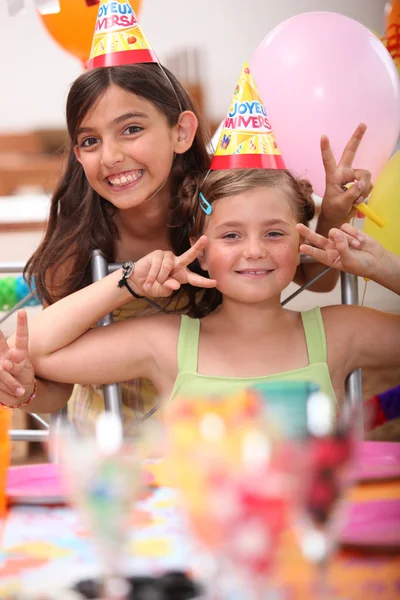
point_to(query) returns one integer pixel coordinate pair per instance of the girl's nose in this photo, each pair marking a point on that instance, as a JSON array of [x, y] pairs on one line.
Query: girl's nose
[[111, 154], [255, 248]]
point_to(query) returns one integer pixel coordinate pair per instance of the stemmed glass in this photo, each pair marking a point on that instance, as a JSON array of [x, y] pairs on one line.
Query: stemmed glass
[[102, 468], [329, 452], [236, 479]]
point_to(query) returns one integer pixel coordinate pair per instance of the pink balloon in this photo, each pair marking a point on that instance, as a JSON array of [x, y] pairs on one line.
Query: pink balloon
[[323, 73]]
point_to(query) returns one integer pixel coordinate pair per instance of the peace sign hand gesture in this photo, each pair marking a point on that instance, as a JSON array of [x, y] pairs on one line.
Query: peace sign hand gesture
[[337, 204], [160, 273], [16, 371], [346, 249]]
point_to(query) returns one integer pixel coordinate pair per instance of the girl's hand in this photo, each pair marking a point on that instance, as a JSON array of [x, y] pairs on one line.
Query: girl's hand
[[337, 203], [346, 249], [160, 273], [16, 371]]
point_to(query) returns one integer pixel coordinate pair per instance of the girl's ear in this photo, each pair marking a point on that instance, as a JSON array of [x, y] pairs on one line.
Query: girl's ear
[[301, 241], [186, 130], [77, 154], [201, 257]]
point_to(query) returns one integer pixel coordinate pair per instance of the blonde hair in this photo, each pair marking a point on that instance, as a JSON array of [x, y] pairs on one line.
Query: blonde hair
[[220, 184]]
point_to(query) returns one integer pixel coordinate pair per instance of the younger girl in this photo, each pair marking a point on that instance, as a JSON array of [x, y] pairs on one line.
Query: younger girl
[[249, 246]]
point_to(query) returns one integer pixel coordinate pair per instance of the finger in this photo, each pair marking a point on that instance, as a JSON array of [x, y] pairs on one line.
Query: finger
[[4, 347], [352, 231], [15, 369], [11, 384], [172, 284], [200, 281], [167, 265], [351, 241], [21, 337], [352, 146], [365, 176], [328, 159], [312, 237], [190, 255], [354, 194], [342, 245], [316, 253], [156, 261]]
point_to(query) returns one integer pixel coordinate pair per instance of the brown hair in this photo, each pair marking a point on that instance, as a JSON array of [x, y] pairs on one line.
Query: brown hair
[[219, 184], [80, 220]]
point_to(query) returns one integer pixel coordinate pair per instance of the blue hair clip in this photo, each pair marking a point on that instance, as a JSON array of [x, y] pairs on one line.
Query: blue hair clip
[[205, 205]]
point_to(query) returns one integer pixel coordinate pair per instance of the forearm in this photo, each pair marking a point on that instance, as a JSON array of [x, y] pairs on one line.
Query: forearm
[[388, 273], [69, 318], [50, 397]]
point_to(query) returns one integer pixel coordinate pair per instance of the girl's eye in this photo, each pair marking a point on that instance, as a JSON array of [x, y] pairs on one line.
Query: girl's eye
[[274, 234], [132, 129], [230, 236], [88, 142]]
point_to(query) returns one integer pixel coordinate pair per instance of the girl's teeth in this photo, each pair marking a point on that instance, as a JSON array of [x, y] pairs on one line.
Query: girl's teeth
[[124, 179]]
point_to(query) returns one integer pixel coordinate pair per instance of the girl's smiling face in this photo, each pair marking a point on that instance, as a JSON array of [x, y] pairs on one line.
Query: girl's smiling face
[[127, 147], [253, 247]]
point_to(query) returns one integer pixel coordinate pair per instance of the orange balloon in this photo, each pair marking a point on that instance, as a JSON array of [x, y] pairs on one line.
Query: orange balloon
[[392, 33], [73, 26]]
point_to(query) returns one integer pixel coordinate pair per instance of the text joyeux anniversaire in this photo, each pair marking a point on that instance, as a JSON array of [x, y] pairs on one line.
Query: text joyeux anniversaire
[[248, 115], [115, 14]]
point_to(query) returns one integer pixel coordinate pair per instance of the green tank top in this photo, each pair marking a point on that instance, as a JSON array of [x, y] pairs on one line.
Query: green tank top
[[190, 383]]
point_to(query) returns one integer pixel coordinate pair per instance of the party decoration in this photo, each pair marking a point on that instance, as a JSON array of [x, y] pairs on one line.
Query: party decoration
[[392, 31], [72, 28], [385, 201], [118, 38], [247, 140], [13, 290], [48, 7], [5, 425], [324, 73], [366, 210], [8, 293]]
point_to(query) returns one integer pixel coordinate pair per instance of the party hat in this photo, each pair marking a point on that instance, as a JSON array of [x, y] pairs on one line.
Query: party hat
[[118, 38], [247, 140]]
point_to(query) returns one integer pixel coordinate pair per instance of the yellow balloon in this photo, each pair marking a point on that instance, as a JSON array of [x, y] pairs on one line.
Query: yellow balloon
[[385, 202]]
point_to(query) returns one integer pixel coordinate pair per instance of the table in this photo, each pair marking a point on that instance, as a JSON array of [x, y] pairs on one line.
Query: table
[[43, 545]]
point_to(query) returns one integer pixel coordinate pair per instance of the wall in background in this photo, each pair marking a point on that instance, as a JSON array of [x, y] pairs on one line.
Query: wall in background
[[36, 73]]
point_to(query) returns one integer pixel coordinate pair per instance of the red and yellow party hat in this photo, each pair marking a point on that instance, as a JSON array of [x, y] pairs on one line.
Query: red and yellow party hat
[[118, 38], [247, 140]]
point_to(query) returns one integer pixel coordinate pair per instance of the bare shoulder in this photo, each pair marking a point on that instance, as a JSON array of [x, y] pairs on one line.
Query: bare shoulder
[[358, 336], [341, 323], [348, 319], [157, 325], [162, 335], [340, 316], [161, 331]]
